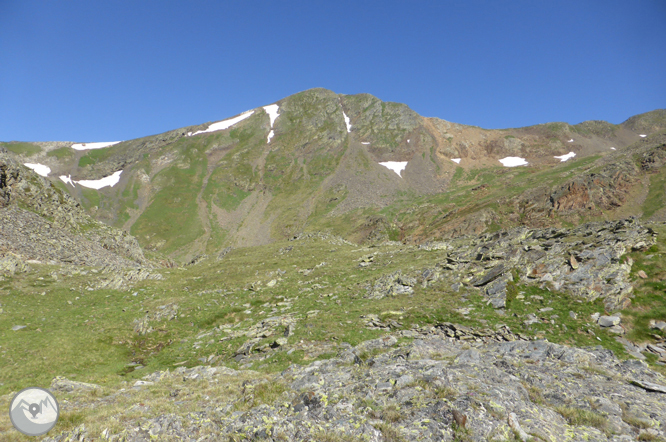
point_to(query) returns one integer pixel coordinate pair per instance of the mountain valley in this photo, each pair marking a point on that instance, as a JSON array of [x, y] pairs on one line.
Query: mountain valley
[[338, 268]]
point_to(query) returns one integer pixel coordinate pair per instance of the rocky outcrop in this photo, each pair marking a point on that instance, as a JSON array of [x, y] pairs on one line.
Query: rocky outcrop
[[584, 261], [40, 222], [606, 189], [435, 388]]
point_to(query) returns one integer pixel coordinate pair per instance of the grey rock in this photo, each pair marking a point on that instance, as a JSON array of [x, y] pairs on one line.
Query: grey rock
[[649, 386], [18, 327], [470, 356], [60, 383], [609, 321], [657, 325], [489, 276]]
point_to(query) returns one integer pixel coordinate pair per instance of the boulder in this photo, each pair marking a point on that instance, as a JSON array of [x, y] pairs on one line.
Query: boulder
[[609, 321]]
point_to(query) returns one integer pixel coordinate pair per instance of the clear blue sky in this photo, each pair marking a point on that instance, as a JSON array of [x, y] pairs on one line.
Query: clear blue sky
[[89, 70]]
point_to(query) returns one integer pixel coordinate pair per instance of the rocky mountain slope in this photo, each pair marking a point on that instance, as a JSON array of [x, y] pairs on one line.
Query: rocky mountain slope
[[503, 336], [42, 223], [189, 192], [321, 295]]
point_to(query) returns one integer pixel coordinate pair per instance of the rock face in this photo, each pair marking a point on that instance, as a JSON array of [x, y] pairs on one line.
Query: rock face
[[584, 261], [435, 388], [41, 222]]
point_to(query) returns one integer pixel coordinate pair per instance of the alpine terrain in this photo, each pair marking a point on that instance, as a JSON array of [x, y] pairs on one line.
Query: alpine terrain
[[334, 267]]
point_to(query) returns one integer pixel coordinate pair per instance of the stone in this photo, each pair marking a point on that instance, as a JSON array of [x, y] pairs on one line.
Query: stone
[[531, 319], [489, 276], [649, 386], [60, 383], [18, 327], [517, 429], [470, 356], [573, 315], [642, 274], [595, 316], [616, 329], [573, 262], [657, 325], [608, 321]]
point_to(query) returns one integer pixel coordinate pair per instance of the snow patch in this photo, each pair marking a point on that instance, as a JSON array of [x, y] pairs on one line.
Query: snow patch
[[612, 148], [570, 141], [226, 124], [513, 161], [409, 141], [110, 180], [456, 160], [396, 166], [90, 146], [563, 158], [347, 123], [39, 169], [272, 111], [67, 179], [365, 142], [642, 136]]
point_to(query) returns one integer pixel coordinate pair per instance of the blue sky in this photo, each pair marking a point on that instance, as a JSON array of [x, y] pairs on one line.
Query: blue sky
[[114, 70]]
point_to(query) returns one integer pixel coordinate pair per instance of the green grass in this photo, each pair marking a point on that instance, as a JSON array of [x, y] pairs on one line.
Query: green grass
[[656, 197], [61, 153], [90, 198], [21, 148], [172, 216], [96, 155]]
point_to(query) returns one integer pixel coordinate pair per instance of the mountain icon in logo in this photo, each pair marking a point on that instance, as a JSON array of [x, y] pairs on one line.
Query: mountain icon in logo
[[34, 411]]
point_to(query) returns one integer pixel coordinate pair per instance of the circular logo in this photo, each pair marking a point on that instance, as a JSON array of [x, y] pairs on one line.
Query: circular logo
[[34, 411]]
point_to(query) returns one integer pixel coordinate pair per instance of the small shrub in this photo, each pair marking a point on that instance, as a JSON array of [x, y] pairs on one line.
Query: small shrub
[[390, 433], [578, 416]]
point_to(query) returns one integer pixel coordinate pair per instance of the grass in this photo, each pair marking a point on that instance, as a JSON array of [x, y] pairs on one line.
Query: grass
[[61, 153], [389, 432], [581, 417], [21, 148], [656, 195]]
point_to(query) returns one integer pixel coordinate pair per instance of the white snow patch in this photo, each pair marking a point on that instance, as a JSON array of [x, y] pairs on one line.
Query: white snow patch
[[456, 160], [563, 158], [642, 136], [221, 125], [110, 180], [90, 146], [39, 169], [67, 179], [570, 141], [612, 148], [347, 123], [409, 141], [365, 142], [396, 166], [513, 161], [272, 111]]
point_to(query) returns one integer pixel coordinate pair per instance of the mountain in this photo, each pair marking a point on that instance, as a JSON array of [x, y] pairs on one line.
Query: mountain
[[320, 268], [187, 195]]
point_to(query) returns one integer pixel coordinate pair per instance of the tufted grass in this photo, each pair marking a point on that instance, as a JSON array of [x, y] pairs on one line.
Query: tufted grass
[[581, 417]]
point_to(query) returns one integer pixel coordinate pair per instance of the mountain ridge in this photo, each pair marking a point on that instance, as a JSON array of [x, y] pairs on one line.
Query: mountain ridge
[[243, 190]]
